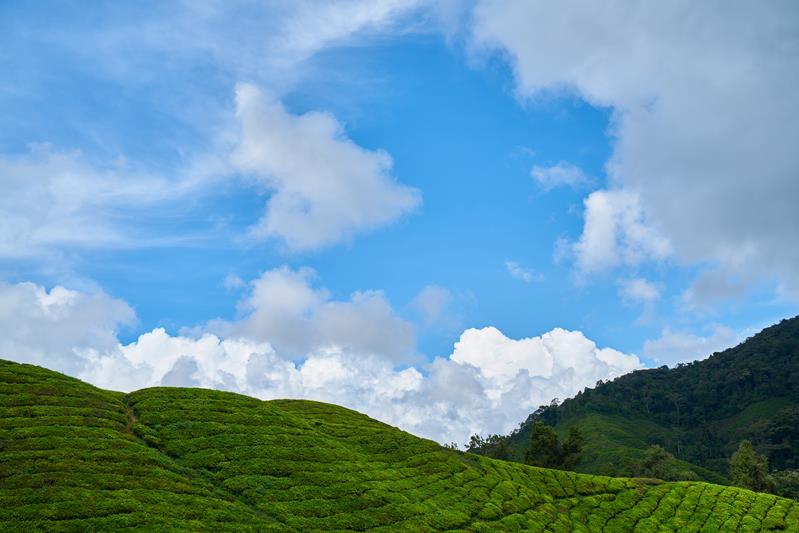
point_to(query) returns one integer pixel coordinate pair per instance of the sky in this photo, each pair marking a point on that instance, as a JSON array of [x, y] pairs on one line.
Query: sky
[[442, 214]]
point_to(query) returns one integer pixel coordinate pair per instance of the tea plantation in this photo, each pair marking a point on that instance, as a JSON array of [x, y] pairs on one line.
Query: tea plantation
[[77, 458]]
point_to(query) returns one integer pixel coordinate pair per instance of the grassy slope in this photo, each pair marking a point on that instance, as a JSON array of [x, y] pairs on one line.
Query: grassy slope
[[73, 457]]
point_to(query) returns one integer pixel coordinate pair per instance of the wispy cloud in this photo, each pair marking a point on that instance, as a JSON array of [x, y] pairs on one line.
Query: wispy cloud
[[640, 291], [682, 346], [518, 271], [561, 174]]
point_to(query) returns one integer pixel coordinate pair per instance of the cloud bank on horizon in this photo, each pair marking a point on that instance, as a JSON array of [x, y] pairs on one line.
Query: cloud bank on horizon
[[168, 145], [489, 383]]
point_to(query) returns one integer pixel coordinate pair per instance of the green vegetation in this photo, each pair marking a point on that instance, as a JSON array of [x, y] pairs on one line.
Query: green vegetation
[[547, 451], [750, 469], [77, 458], [657, 463], [699, 413], [494, 446]]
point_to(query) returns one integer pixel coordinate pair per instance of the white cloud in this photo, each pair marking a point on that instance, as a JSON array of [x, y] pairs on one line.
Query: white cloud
[[325, 188], [49, 327], [284, 309], [616, 232], [639, 290], [55, 199], [705, 119], [567, 359], [267, 42], [561, 174], [313, 26], [204, 361], [519, 272], [679, 346], [489, 383]]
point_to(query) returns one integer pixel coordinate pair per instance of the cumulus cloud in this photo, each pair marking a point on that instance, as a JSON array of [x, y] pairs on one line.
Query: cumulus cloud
[[284, 308], [680, 346], [567, 360], [489, 383], [558, 175], [325, 188], [519, 272], [616, 232], [705, 118], [50, 328]]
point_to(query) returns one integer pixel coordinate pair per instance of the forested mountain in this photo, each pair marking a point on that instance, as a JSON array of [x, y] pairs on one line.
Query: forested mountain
[[699, 412], [77, 458]]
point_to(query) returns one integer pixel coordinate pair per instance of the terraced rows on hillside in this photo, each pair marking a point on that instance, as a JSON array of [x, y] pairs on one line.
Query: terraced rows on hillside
[[77, 458]]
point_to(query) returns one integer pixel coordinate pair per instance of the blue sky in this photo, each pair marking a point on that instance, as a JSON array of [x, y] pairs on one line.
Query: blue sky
[[164, 159]]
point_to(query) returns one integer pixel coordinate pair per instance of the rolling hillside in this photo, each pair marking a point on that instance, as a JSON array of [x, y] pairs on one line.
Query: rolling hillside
[[77, 458], [699, 412]]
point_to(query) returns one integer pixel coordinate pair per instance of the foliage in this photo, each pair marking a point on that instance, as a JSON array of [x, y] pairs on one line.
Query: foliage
[[547, 451], [544, 447], [494, 446], [749, 469], [699, 412], [786, 483], [77, 458], [572, 449], [656, 463]]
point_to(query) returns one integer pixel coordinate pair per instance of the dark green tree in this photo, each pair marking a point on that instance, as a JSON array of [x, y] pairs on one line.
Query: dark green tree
[[547, 451], [656, 463], [494, 446], [749, 469], [572, 449], [544, 447]]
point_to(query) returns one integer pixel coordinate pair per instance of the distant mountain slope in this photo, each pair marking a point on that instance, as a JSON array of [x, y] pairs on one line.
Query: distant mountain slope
[[76, 458], [700, 412]]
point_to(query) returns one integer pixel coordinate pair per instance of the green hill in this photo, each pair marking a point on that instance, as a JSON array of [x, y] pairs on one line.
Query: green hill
[[77, 458], [699, 412]]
